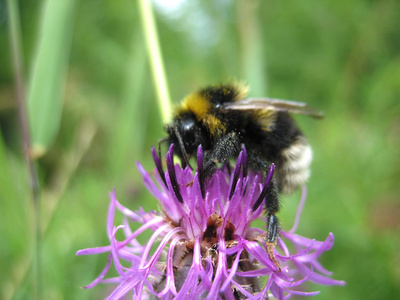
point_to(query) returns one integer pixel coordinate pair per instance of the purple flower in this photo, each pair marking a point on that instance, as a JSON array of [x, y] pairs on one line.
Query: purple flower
[[201, 243]]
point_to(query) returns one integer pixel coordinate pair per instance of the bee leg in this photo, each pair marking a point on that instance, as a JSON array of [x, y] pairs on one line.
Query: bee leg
[[272, 207], [256, 162], [225, 148], [271, 195]]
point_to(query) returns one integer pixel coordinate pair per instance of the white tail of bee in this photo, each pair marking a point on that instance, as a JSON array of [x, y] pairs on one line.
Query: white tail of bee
[[294, 169]]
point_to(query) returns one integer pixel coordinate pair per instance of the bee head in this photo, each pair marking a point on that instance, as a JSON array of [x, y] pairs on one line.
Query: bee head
[[186, 132]]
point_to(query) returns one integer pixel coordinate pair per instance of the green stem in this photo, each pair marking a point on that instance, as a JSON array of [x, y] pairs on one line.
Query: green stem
[[154, 52], [18, 68]]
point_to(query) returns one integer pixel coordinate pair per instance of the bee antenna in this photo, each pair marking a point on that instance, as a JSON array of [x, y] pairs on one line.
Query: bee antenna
[[182, 146]]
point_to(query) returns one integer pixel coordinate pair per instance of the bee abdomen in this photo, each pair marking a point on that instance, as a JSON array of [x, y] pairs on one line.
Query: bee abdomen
[[294, 168]]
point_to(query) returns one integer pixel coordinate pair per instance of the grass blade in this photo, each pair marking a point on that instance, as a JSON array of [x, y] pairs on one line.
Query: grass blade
[[48, 73]]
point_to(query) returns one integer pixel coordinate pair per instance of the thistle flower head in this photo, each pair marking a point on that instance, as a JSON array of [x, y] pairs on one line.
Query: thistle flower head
[[202, 244]]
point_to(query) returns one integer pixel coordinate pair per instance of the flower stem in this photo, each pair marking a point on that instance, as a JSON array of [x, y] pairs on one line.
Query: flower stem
[[18, 68], [155, 57]]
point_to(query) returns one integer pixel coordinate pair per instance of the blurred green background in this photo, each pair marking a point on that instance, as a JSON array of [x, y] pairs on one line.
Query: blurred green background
[[93, 111]]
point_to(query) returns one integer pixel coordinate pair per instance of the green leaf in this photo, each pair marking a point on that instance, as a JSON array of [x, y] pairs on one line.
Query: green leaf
[[45, 91]]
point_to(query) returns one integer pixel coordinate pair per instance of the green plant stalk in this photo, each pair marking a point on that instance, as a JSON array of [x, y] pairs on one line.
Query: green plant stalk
[[156, 62], [252, 58], [18, 67]]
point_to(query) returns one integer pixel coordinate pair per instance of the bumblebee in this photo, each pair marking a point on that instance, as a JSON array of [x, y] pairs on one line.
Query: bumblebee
[[222, 120]]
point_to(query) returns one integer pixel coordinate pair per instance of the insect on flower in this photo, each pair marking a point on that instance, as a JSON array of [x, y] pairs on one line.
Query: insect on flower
[[223, 121], [205, 247]]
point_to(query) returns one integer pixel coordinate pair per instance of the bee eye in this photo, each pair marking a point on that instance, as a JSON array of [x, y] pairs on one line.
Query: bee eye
[[188, 126]]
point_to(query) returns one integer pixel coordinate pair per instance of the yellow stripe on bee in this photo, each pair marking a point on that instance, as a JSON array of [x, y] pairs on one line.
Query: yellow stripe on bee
[[197, 104], [200, 106], [216, 127], [266, 118]]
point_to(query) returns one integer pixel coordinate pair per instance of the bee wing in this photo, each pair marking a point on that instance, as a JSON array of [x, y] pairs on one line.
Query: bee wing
[[252, 104]]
